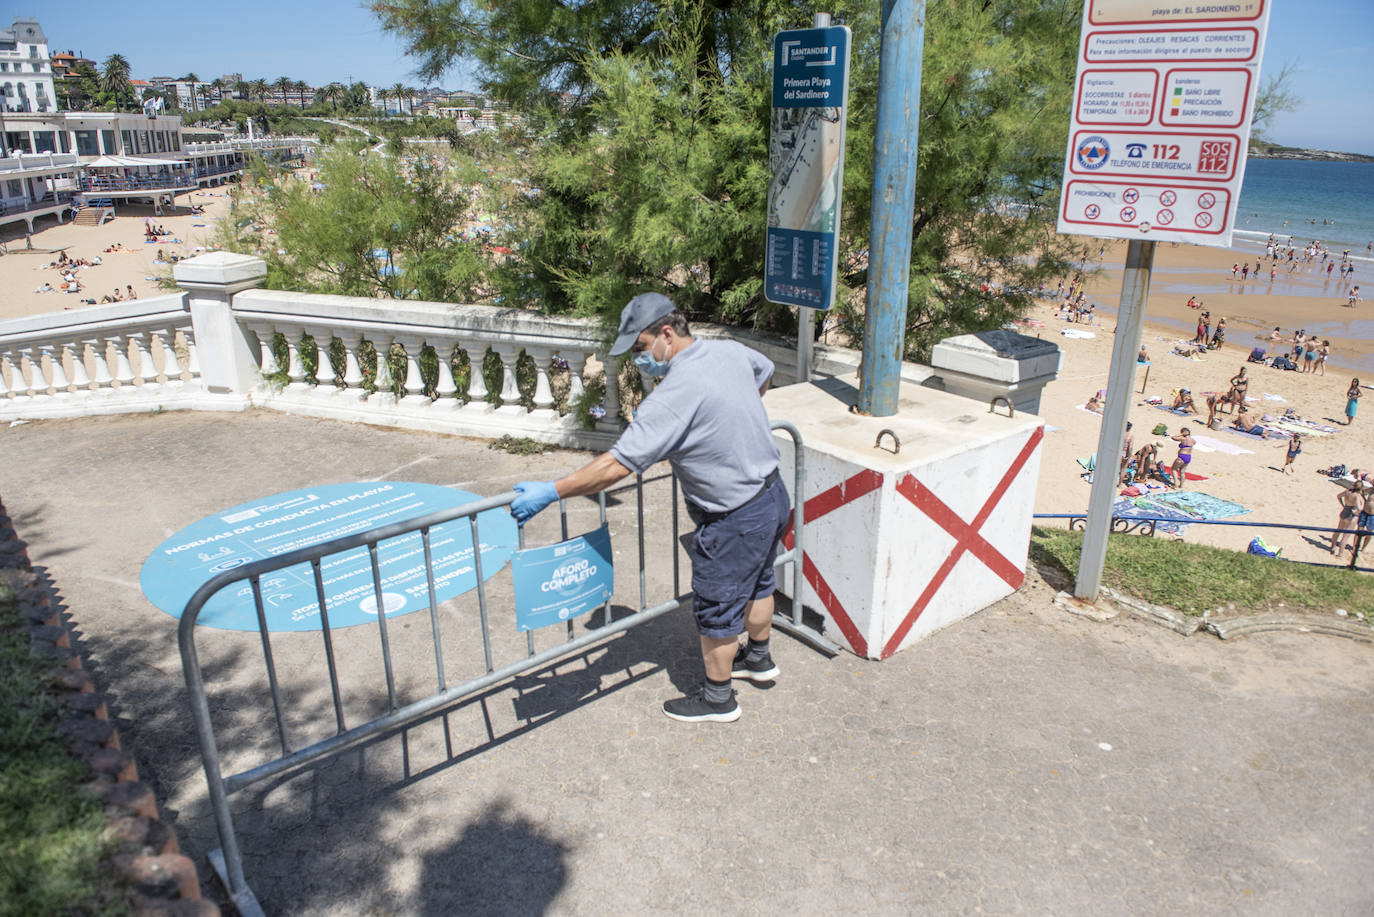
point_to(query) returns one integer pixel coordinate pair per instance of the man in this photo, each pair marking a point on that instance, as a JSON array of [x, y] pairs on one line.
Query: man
[[707, 418]]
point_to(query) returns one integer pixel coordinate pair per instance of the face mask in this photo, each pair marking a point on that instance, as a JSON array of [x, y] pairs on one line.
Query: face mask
[[651, 365]]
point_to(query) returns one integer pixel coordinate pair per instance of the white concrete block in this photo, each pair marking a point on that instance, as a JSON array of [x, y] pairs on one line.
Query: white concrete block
[[899, 545]]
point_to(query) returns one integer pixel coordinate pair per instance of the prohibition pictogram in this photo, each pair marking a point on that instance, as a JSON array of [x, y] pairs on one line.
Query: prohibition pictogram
[[1203, 220], [1130, 195], [1092, 211], [1167, 198], [1127, 214], [1206, 199], [1164, 217], [968, 538]]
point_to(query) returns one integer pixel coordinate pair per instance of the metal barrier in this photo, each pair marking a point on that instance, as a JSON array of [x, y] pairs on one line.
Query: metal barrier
[[1145, 525], [226, 860]]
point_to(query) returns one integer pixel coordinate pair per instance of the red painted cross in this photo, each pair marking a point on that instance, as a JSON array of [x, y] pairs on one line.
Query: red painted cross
[[966, 535], [827, 501], [967, 538]]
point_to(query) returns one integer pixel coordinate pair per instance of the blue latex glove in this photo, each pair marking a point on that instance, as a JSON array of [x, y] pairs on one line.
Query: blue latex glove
[[534, 496]]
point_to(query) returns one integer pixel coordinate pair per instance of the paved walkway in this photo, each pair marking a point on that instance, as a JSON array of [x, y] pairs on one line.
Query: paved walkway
[[1022, 761]]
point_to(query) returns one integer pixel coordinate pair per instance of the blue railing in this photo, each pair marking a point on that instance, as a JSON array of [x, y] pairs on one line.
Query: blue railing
[[1145, 525]]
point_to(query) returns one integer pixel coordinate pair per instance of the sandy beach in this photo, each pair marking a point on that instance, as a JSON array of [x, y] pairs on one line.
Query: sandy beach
[[1243, 469], [22, 271]]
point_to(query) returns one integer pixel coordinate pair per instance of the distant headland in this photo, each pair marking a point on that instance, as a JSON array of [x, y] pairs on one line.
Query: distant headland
[[1274, 151]]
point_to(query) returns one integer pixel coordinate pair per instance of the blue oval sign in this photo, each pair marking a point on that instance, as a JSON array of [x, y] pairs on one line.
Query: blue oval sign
[[286, 522]]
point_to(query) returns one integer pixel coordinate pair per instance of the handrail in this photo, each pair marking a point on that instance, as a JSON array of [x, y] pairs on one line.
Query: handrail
[[1354, 533]]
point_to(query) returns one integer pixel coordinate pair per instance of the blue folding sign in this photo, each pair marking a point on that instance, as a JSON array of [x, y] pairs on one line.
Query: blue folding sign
[[561, 581], [806, 153]]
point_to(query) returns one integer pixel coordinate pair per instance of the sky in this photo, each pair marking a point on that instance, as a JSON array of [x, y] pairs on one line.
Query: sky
[[1330, 44]]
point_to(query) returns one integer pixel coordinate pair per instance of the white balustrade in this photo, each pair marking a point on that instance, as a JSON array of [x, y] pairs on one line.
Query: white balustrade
[[510, 388], [415, 381], [147, 369], [8, 370], [477, 382], [543, 391], [382, 379], [446, 388], [171, 366], [124, 370], [353, 373], [577, 365], [38, 383], [57, 372], [80, 379], [295, 368], [100, 353]]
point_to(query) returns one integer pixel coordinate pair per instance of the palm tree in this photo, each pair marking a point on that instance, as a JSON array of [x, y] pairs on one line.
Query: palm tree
[[242, 89], [205, 91], [398, 92], [302, 87], [258, 89], [114, 78], [332, 94], [283, 85]]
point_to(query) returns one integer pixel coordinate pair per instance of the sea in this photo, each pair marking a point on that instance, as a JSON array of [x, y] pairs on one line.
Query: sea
[[1330, 202]]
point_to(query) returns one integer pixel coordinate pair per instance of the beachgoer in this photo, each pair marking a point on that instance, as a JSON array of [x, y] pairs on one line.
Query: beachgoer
[[1239, 385], [1127, 445], [1354, 296], [1183, 401], [1185, 442], [1145, 461], [1352, 401], [1245, 270], [1294, 450], [1275, 339], [730, 480], [1245, 422], [1350, 500], [1094, 403], [1322, 353], [1298, 339], [1309, 355], [132, 294], [1143, 356], [1365, 521], [1219, 335], [1213, 400]]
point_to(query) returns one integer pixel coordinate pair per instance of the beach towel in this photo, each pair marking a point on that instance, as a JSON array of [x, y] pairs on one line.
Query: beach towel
[[1217, 445], [1271, 397], [1258, 546], [1075, 333], [1173, 521], [1195, 504]]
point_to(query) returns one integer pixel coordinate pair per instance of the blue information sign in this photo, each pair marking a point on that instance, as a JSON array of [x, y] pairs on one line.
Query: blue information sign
[[561, 581], [276, 525], [806, 153]]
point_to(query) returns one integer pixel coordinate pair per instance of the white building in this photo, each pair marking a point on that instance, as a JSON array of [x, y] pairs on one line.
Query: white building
[[25, 74]]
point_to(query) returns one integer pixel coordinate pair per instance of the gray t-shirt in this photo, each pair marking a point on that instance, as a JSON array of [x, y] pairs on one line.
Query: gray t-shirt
[[707, 419]]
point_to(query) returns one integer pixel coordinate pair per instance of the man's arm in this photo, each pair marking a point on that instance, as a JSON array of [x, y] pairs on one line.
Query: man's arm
[[598, 474], [593, 477]]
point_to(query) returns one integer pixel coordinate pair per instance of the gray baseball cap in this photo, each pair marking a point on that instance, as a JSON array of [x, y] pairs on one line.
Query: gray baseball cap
[[638, 314]]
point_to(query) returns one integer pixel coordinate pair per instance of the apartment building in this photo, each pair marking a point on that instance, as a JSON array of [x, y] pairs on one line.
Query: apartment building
[[26, 82]]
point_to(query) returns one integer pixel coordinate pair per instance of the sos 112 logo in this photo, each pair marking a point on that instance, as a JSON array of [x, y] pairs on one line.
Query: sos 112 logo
[[1214, 157]]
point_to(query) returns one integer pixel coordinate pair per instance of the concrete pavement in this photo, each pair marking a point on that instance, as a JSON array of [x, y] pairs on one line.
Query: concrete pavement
[[1021, 761]]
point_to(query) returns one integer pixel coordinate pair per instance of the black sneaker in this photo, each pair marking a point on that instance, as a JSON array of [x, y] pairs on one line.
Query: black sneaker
[[759, 670], [695, 708]]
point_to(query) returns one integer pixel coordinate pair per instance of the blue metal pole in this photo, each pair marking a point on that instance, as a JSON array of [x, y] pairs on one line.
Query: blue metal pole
[[894, 195]]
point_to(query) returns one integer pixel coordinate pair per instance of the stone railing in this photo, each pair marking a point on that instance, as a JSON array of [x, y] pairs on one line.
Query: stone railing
[[110, 359], [225, 345]]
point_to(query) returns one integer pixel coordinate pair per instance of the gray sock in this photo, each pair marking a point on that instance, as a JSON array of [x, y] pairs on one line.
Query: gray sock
[[758, 649], [717, 692]]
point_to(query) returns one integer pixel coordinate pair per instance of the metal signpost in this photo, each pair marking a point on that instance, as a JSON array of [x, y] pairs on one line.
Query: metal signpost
[[1157, 140], [806, 154]]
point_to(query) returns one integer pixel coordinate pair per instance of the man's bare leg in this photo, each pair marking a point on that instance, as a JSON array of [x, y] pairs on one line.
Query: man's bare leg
[[718, 653]]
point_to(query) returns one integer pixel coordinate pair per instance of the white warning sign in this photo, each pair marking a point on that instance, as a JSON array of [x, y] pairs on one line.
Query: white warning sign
[[1161, 119]]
